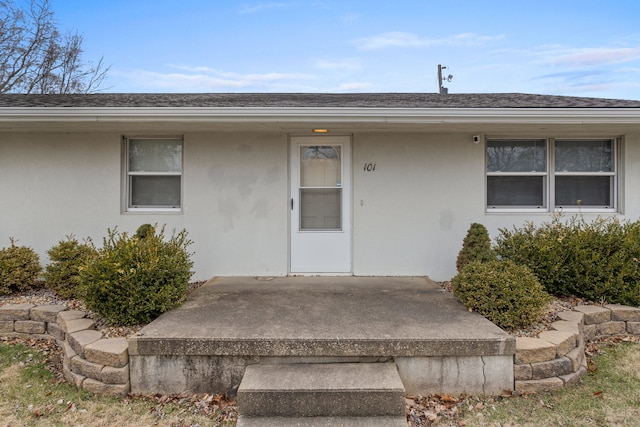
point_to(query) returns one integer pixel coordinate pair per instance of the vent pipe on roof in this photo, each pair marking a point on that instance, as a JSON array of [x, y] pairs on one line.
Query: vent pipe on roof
[[443, 90]]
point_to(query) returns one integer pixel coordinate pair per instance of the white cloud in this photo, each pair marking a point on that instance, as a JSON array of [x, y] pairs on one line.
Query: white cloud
[[581, 57], [473, 39], [339, 64], [179, 82], [392, 39], [354, 87], [259, 7], [265, 77], [404, 39], [203, 79]]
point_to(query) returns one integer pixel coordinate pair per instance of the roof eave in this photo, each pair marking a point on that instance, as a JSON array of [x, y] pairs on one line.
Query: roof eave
[[314, 114]]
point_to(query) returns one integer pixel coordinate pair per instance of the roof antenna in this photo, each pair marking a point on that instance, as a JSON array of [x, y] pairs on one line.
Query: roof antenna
[[443, 90]]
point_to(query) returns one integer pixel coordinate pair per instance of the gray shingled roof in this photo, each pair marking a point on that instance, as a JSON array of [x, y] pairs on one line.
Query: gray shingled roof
[[313, 100]]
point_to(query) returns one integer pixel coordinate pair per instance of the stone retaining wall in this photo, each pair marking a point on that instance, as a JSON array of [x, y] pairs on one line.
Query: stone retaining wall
[[101, 365], [90, 361], [557, 357]]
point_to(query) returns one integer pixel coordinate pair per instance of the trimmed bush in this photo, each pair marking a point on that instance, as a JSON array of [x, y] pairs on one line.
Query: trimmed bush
[[133, 280], [544, 249], [476, 246], [62, 275], [508, 294], [599, 261], [19, 268], [145, 230]]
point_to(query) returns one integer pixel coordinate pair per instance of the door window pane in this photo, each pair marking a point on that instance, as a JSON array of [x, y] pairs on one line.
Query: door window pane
[[514, 191], [320, 166], [320, 209]]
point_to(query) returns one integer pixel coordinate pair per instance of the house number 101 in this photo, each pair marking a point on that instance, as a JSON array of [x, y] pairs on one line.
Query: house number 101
[[369, 167]]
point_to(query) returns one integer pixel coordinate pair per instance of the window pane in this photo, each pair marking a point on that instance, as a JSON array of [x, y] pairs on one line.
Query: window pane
[[155, 155], [320, 209], [155, 191], [517, 156], [584, 156], [320, 166], [525, 191], [584, 191]]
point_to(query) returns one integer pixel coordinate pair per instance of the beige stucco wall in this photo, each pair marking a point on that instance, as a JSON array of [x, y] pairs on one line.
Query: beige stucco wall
[[53, 185], [235, 196], [236, 202], [410, 214]]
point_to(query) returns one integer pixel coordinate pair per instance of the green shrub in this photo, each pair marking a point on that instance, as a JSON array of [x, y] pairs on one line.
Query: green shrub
[[476, 246], [508, 294], [62, 275], [19, 268], [133, 280], [145, 230], [544, 249], [597, 261]]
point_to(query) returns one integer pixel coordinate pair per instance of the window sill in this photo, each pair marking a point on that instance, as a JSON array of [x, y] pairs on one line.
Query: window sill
[[548, 211], [148, 211]]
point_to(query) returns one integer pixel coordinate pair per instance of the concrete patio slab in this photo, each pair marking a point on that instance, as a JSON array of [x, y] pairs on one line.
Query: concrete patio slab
[[385, 316], [232, 322]]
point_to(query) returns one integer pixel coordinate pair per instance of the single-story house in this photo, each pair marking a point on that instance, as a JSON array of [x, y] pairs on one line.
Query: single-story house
[[285, 184]]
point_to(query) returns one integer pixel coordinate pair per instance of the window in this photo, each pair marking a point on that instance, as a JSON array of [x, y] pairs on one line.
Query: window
[[153, 173], [584, 173], [551, 174], [516, 173]]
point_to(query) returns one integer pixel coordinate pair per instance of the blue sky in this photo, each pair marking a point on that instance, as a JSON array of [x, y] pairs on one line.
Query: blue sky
[[561, 47]]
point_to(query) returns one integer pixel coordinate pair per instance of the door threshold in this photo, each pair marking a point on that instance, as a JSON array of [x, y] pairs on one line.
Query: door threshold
[[319, 274]]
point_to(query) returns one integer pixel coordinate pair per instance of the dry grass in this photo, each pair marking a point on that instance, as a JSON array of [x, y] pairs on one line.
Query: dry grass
[[609, 396], [32, 395]]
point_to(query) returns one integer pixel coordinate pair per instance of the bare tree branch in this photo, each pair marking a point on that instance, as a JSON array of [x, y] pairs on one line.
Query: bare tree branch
[[36, 58]]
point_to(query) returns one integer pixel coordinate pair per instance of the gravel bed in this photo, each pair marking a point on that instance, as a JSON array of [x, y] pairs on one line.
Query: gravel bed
[[44, 296]]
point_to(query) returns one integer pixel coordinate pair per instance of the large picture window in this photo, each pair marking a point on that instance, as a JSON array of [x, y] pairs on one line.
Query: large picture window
[[551, 174], [153, 173]]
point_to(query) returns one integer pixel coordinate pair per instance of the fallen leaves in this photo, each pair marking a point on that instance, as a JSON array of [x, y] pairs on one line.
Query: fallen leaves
[[425, 411], [48, 347], [213, 406]]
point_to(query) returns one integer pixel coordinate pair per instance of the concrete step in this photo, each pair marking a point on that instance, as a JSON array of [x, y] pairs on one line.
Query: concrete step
[[394, 421], [321, 390]]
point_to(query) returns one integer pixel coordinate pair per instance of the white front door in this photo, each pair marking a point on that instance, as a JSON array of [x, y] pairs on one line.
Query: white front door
[[320, 204]]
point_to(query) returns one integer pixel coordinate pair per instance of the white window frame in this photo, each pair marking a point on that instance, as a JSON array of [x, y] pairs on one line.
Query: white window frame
[[544, 174], [127, 174], [613, 173], [550, 175]]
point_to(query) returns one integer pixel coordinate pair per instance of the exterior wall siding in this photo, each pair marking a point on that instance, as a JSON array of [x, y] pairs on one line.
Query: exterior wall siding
[[235, 196], [410, 213]]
